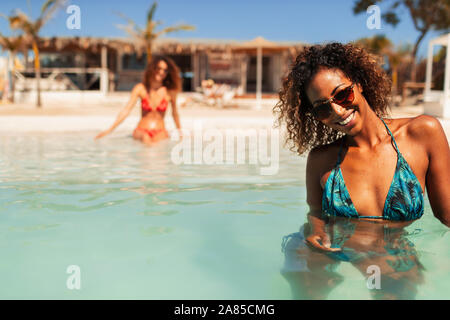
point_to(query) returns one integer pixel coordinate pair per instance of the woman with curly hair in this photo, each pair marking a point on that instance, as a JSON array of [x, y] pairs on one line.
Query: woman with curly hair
[[159, 87], [361, 165]]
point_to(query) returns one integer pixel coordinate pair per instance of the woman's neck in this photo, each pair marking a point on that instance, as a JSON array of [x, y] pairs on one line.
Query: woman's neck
[[155, 85], [372, 133]]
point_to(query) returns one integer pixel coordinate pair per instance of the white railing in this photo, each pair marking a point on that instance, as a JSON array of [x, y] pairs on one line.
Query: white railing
[[58, 79]]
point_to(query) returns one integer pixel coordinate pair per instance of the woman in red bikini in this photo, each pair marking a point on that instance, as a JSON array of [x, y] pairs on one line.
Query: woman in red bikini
[[159, 87]]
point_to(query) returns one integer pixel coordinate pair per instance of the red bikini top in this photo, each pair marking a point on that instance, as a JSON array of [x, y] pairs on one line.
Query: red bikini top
[[161, 107]]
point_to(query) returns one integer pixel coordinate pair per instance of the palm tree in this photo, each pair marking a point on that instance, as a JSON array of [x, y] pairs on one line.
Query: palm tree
[[396, 57], [378, 44], [383, 47], [31, 29], [12, 45], [146, 36]]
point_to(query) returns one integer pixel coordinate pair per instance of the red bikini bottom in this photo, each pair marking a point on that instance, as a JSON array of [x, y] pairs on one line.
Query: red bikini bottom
[[151, 132]]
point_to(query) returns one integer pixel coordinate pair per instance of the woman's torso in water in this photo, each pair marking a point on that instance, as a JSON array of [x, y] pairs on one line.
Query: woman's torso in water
[[154, 105], [368, 174]]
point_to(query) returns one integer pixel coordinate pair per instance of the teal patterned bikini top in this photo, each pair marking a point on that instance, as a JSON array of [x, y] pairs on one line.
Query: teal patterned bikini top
[[404, 200]]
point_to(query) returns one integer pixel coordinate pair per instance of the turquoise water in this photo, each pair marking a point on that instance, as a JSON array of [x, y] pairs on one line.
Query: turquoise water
[[140, 227]]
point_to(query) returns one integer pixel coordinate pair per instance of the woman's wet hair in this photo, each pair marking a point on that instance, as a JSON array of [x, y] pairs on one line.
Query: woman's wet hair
[[172, 81], [305, 132]]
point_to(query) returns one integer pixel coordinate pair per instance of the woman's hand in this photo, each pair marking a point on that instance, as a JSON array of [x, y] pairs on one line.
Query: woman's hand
[[138, 91], [321, 241], [102, 134]]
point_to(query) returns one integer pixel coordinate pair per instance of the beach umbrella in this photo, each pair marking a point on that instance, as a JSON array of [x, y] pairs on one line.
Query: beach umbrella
[[258, 46]]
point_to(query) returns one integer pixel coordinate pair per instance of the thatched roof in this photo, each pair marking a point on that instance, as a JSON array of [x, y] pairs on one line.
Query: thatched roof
[[161, 46]]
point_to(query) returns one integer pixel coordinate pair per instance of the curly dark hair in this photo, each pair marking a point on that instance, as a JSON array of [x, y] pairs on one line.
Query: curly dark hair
[[305, 132], [172, 80]]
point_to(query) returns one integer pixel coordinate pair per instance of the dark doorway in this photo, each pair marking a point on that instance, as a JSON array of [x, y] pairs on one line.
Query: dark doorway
[[251, 75]]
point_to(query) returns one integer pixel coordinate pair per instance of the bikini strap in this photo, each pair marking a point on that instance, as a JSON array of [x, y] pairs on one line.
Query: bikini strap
[[392, 136]]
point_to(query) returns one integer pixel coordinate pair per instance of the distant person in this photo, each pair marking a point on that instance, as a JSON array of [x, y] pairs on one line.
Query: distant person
[[159, 88]]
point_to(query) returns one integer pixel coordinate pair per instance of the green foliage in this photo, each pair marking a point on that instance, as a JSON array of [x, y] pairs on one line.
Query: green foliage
[[145, 36], [31, 28], [377, 44], [426, 15]]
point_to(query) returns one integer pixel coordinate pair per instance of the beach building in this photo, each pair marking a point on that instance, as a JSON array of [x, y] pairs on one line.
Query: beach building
[[437, 102], [90, 68]]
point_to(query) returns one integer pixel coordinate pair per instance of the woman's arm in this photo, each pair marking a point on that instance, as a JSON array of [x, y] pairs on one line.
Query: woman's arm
[[318, 237], [123, 114], [176, 118], [438, 173]]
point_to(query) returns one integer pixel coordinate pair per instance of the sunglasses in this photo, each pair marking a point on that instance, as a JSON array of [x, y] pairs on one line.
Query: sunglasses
[[343, 98]]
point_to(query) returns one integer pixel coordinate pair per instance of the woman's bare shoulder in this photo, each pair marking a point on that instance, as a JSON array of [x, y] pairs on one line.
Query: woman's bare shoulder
[[322, 156], [422, 127], [423, 130], [139, 89]]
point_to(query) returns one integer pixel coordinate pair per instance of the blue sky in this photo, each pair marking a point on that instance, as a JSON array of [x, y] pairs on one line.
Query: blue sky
[[310, 21]]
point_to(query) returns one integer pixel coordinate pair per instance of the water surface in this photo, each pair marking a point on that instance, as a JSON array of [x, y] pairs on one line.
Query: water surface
[[141, 227]]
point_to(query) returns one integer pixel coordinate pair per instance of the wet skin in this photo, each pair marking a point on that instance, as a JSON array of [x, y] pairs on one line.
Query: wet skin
[[368, 165], [365, 244], [369, 157]]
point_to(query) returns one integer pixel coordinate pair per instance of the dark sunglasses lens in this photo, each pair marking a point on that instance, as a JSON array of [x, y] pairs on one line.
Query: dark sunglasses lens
[[345, 95], [351, 96]]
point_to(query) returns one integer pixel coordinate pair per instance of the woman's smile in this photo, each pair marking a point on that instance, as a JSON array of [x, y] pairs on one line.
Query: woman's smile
[[348, 121]]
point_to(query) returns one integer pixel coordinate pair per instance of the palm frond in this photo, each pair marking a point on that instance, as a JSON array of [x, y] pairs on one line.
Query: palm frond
[[48, 10], [151, 12], [147, 35], [130, 30], [181, 27], [23, 22], [47, 5], [130, 22], [15, 22]]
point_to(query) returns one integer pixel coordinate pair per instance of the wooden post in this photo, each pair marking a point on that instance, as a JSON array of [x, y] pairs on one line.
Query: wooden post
[[429, 68], [119, 60], [104, 79], [244, 65], [446, 100], [259, 59], [196, 71]]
